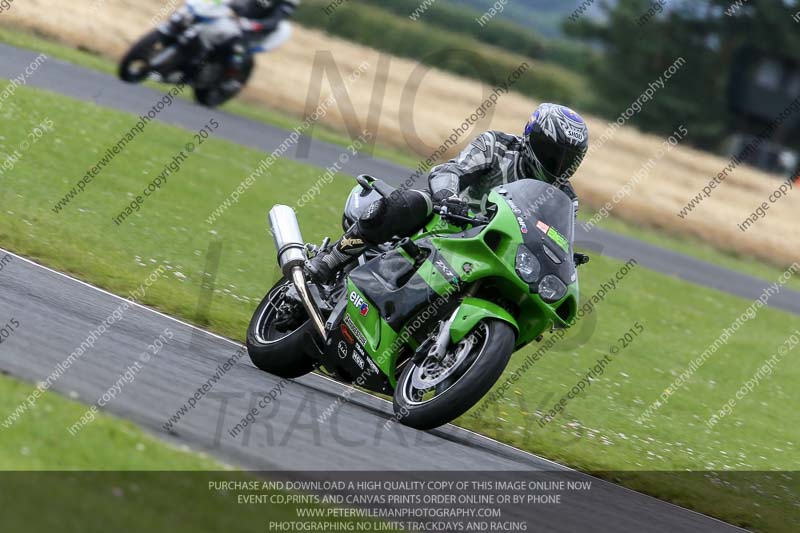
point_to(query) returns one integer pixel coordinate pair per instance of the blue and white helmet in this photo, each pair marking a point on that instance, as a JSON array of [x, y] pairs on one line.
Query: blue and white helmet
[[556, 141]]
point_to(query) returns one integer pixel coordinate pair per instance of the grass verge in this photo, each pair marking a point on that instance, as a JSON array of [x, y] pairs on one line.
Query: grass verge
[[258, 112], [106, 444]]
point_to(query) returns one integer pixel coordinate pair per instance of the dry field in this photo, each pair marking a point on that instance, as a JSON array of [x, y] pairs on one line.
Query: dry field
[[443, 101]]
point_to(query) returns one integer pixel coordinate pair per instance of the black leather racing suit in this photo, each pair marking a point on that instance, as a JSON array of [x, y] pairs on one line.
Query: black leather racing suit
[[264, 15], [494, 158], [257, 19], [490, 160]]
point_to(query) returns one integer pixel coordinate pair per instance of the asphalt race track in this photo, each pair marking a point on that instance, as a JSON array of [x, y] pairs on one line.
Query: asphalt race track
[[105, 90], [56, 314]]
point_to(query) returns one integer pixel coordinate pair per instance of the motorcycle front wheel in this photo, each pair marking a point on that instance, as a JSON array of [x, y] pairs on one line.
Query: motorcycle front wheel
[[280, 335], [433, 392], [135, 65]]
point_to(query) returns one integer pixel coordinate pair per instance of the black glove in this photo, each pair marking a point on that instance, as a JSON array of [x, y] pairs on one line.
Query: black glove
[[455, 206], [442, 195]]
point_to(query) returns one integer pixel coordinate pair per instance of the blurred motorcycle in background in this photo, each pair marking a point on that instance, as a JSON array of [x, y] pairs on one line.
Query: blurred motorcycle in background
[[194, 47]]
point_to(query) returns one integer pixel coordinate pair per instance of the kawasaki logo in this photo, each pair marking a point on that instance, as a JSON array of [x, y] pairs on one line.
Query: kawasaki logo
[[443, 267], [358, 301], [446, 271]]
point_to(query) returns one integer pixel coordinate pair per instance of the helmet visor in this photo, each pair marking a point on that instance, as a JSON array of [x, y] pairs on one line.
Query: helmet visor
[[555, 161]]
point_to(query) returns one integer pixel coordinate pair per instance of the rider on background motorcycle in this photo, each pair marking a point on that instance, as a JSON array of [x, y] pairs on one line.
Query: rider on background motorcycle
[[264, 27], [551, 149]]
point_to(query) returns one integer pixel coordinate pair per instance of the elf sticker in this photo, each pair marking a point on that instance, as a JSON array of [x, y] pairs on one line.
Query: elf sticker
[[358, 301]]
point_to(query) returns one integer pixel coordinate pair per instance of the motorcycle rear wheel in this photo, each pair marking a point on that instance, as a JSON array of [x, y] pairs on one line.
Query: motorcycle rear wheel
[[216, 96], [427, 397], [281, 351]]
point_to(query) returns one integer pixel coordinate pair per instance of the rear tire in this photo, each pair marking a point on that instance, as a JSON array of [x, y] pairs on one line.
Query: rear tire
[[455, 396], [140, 52], [281, 353], [215, 96]]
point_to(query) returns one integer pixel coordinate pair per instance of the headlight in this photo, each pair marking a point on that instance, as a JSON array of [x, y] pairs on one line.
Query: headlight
[[528, 267], [552, 289]]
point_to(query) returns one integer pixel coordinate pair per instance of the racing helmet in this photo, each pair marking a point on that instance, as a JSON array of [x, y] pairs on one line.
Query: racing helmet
[[556, 140]]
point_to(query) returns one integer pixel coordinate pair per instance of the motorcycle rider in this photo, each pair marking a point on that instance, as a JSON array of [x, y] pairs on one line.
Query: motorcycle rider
[[259, 20], [552, 147]]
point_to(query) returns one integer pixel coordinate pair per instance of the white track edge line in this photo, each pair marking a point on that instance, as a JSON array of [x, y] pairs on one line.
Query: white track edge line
[[220, 337]]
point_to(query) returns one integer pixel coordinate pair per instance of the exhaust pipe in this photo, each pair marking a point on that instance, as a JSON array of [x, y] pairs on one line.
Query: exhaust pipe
[[291, 258], [288, 239]]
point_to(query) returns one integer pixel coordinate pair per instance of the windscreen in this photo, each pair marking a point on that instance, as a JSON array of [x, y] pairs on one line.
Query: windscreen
[[547, 221]]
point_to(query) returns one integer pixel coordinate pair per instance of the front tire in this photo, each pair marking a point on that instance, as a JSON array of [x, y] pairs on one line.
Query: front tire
[[425, 400], [135, 65], [280, 343]]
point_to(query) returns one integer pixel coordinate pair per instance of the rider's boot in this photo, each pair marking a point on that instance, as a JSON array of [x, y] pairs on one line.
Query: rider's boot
[[400, 215], [324, 266]]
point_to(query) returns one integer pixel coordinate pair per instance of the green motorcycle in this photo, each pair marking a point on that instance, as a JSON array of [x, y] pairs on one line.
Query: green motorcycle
[[431, 320]]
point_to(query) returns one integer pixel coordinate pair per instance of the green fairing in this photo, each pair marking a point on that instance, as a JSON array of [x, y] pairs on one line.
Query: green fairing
[[472, 311], [493, 263]]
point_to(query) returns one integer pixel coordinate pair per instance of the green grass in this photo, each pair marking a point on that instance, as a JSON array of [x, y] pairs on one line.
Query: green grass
[[132, 501], [681, 320], [106, 444], [680, 243], [31, 41], [171, 226], [599, 431]]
